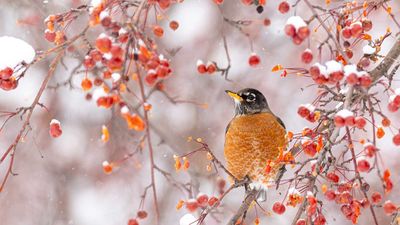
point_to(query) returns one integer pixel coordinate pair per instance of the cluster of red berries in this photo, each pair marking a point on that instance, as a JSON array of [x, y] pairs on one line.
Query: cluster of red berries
[[312, 212], [346, 118], [330, 73], [297, 29], [394, 101], [201, 201], [202, 68], [355, 77], [355, 29], [50, 34], [7, 81], [307, 111], [309, 146]]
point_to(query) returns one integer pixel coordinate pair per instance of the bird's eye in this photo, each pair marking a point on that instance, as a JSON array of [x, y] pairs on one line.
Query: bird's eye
[[251, 98]]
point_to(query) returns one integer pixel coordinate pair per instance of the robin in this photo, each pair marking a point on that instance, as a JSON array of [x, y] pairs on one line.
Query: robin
[[253, 138]]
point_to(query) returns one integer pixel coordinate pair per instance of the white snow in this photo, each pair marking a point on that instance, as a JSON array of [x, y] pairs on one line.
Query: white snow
[[124, 110], [105, 163], [116, 76], [297, 22], [349, 69], [333, 66], [199, 62], [368, 50], [322, 70], [98, 92], [104, 14], [54, 121], [344, 113], [187, 219], [14, 51]]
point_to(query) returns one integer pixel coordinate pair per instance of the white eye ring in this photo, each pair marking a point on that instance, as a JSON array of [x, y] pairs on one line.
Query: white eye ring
[[251, 97]]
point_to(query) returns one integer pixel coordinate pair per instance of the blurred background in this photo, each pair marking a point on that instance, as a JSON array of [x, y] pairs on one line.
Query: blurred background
[[61, 181]]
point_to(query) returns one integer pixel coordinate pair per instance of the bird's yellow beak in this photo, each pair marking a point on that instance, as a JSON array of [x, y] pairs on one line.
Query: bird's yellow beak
[[234, 95]]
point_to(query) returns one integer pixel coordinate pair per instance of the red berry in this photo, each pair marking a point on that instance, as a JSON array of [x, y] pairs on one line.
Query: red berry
[[290, 30], [96, 55], [151, 77], [8, 84], [352, 79], [303, 111], [247, 2], [330, 195], [339, 121], [201, 67], [320, 220], [366, 24], [50, 35], [356, 29], [211, 67], [212, 201], [360, 122], [363, 165], [297, 40], [346, 210], [301, 222], [396, 139], [303, 32], [103, 43], [364, 62], [164, 4], [307, 56], [350, 121], [254, 60], [365, 80], [6, 73], [219, 2], [393, 107], [333, 177], [278, 208], [158, 31], [376, 197], [142, 214], [389, 208], [284, 7], [191, 205], [133, 222], [55, 128], [116, 51], [174, 25], [346, 33], [202, 199], [88, 62]]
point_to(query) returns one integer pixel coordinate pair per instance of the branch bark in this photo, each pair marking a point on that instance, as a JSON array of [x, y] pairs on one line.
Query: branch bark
[[250, 197]]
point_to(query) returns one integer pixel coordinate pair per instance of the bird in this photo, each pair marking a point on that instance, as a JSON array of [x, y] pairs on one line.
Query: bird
[[253, 138]]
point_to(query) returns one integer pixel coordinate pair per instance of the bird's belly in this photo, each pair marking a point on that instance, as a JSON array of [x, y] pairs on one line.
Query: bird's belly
[[251, 142]]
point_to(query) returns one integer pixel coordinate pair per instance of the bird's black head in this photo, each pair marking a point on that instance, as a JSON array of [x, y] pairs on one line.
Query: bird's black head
[[249, 101]]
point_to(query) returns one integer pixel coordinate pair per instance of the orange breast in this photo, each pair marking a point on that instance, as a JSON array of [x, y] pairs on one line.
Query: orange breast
[[251, 141]]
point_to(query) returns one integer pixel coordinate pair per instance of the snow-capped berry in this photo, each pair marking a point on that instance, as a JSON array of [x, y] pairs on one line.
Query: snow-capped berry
[[303, 32], [290, 30], [201, 67], [307, 56], [346, 33], [334, 70], [55, 128], [202, 199], [369, 149], [211, 67], [103, 43], [344, 118], [254, 60], [356, 29]]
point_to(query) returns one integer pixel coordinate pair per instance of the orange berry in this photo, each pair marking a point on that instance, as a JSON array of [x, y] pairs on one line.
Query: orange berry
[[107, 167], [158, 31], [174, 25], [179, 204], [380, 132], [86, 84], [386, 122]]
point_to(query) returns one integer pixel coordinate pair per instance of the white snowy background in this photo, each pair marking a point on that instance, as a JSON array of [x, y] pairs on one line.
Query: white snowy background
[[60, 181]]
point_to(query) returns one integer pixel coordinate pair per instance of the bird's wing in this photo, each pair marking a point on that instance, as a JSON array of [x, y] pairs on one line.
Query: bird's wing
[[280, 122], [227, 127]]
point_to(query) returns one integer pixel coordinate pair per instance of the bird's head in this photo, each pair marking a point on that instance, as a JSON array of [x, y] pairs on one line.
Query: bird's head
[[249, 101]]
